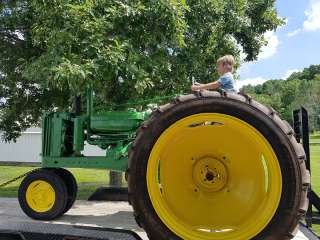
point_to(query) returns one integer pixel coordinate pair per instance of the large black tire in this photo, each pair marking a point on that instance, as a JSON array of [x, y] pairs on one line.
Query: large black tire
[[290, 154], [56, 183], [71, 184]]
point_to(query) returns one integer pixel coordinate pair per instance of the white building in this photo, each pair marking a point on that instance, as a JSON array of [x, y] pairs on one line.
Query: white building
[[27, 148]]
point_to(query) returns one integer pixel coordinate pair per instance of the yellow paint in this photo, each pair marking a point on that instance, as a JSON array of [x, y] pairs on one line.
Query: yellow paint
[[40, 196], [214, 177]]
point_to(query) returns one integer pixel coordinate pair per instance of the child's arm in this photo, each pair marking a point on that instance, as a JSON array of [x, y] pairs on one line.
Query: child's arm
[[198, 87]]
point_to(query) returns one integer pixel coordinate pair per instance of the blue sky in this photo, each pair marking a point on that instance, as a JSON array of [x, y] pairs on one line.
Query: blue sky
[[291, 47]]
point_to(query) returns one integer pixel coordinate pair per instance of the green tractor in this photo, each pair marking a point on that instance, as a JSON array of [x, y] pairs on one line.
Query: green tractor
[[208, 165]]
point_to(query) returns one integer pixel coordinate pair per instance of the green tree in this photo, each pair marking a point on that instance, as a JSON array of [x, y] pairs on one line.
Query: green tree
[[309, 97], [22, 101], [307, 73], [128, 50], [300, 89]]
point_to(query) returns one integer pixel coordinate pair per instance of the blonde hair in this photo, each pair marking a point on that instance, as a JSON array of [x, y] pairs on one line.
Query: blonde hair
[[227, 61]]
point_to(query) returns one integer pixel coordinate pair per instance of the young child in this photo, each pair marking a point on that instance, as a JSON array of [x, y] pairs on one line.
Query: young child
[[225, 82]]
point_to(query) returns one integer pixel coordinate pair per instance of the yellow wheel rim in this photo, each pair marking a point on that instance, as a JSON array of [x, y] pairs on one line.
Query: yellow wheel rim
[[213, 176], [40, 196]]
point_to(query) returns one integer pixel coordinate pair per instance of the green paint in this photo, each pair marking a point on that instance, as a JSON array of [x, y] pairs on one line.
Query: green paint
[[64, 136], [86, 162]]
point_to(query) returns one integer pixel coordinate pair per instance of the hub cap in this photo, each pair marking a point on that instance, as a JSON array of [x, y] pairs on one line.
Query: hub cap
[[209, 174], [40, 196]]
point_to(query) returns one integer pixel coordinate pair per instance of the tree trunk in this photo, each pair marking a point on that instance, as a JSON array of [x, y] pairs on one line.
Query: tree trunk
[[115, 179]]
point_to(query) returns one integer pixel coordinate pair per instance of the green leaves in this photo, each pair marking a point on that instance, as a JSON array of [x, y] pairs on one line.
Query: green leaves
[[154, 47], [82, 39]]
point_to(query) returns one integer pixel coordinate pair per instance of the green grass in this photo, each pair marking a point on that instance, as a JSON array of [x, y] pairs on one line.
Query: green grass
[[88, 180], [315, 168], [315, 161], [315, 135]]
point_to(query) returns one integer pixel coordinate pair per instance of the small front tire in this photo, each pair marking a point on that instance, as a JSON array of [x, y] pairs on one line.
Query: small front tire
[[43, 195]]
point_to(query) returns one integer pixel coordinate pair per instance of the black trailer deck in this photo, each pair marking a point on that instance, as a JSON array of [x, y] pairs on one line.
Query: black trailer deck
[[308, 233], [47, 231]]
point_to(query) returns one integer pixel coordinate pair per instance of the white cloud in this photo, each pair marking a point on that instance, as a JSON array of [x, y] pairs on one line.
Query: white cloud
[[293, 33], [271, 48], [289, 72], [250, 81], [313, 17]]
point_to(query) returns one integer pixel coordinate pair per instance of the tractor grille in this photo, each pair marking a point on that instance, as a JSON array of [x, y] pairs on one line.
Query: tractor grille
[[46, 134]]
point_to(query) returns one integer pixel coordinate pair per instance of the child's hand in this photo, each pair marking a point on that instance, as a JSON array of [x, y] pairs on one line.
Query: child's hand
[[196, 87]]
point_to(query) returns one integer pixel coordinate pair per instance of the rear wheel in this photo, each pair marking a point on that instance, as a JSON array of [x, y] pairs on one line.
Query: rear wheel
[[217, 167], [42, 195]]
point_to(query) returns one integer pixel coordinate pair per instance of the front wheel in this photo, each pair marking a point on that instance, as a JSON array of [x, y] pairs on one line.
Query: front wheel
[[217, 167], [43, 195]]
